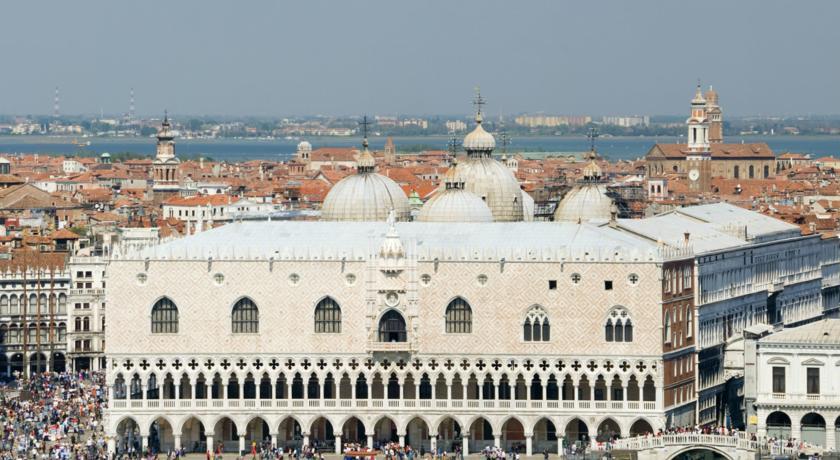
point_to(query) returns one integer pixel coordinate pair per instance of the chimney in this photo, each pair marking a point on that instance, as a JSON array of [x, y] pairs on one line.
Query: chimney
[[686, 238]]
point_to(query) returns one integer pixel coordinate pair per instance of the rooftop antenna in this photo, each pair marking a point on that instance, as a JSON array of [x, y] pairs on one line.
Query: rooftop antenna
[[454, 144], [504, 139], [55, 104], [592, 135], [364, 124]]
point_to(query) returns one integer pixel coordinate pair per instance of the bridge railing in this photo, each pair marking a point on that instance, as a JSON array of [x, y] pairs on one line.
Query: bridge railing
[[740, 441]]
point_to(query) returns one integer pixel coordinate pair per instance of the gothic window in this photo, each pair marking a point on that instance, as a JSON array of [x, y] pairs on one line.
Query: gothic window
[[536, 327], [752, 171], [164, 317], [666, 331], [245, 317], [327, 316], [392, 327], [458, 316], [618, 327], [737, 172]]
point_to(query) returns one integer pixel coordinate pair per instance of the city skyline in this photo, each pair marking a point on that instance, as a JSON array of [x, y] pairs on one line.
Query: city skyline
[[322, 58]]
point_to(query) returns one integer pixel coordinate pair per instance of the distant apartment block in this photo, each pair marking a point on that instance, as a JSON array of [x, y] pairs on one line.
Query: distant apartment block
[[627, 122], [552, 121], [456, 125]]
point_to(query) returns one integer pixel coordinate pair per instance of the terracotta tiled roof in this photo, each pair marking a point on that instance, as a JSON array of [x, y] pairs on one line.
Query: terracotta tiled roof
[[200, 200], [719, 151], [64, 234]]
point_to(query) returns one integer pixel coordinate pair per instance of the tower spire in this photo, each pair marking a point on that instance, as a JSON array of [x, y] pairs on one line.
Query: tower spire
[[55, 104], [364, 124]]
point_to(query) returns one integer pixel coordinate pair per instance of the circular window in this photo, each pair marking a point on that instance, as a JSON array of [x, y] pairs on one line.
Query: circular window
[[219, 279], [575, 278], [633, 279], [426, 280], [294, 279], [142, 278], [351, 279], [482, 280]]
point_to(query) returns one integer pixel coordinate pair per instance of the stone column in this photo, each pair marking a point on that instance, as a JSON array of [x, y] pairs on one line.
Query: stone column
[[338, 449], [560, 440], [289, 389], [465, 444], [370, 392], [497, 440], [143, 388], [209, 447], [224, 394], [417, 391], [177, 442], [433, 443], [112, 445], [829, 436], [402, 440], [274, 439], [575, 394], [241, 444], [370, 441], [529, 444], [449, 392], [144, 442], [241, 386], [466, 396], [796, 428]]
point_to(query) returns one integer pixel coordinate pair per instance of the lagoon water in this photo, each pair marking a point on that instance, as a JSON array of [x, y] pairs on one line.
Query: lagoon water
[[613, 148]]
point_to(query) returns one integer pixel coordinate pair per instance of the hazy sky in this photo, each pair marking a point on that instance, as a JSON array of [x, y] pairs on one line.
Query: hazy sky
[[418, 57]]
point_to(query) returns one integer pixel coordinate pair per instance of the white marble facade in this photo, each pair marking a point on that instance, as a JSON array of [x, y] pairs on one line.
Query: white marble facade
[[485, 386]]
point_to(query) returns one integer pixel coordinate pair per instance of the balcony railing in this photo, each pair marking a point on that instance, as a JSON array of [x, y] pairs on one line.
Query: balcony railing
[[795, 398], [469, 405], [89, 292], [376, 346]]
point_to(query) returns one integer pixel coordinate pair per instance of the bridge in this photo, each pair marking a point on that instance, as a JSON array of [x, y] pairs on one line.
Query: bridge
[[705, 446]]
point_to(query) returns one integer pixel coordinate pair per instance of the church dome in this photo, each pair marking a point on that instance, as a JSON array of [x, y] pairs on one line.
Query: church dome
[[304, 146], [527, 207], [495, 184], [584, 203], [455, 205], [366, 195], [479, 139]]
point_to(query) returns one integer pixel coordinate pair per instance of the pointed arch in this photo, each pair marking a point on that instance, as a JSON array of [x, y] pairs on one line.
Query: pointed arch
[[245, 317], [327, 316], [535, 327], [164, 316], [458, 316]]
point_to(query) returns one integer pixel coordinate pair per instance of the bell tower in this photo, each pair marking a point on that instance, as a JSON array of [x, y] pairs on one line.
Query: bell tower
[[699, 155], [165, 164]]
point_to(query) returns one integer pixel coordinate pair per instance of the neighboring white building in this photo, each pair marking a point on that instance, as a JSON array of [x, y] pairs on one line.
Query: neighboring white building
[[72, 166], [793, 382], [86, 313]]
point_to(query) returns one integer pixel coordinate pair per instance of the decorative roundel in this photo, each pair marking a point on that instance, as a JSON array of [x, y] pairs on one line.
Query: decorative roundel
[[482, 280], [219, 279], [142, 278], [294, 279], [392, 299], [350, 279], [426, 279]]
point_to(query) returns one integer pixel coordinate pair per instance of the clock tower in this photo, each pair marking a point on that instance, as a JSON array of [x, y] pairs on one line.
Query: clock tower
[[699, 155]]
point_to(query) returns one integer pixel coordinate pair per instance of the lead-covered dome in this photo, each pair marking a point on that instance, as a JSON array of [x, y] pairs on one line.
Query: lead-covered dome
[[584, 203], [454, 204], [366, 195], [479, 139]]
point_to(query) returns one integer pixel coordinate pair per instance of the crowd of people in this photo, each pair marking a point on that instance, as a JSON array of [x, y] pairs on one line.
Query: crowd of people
[[54, 416]]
